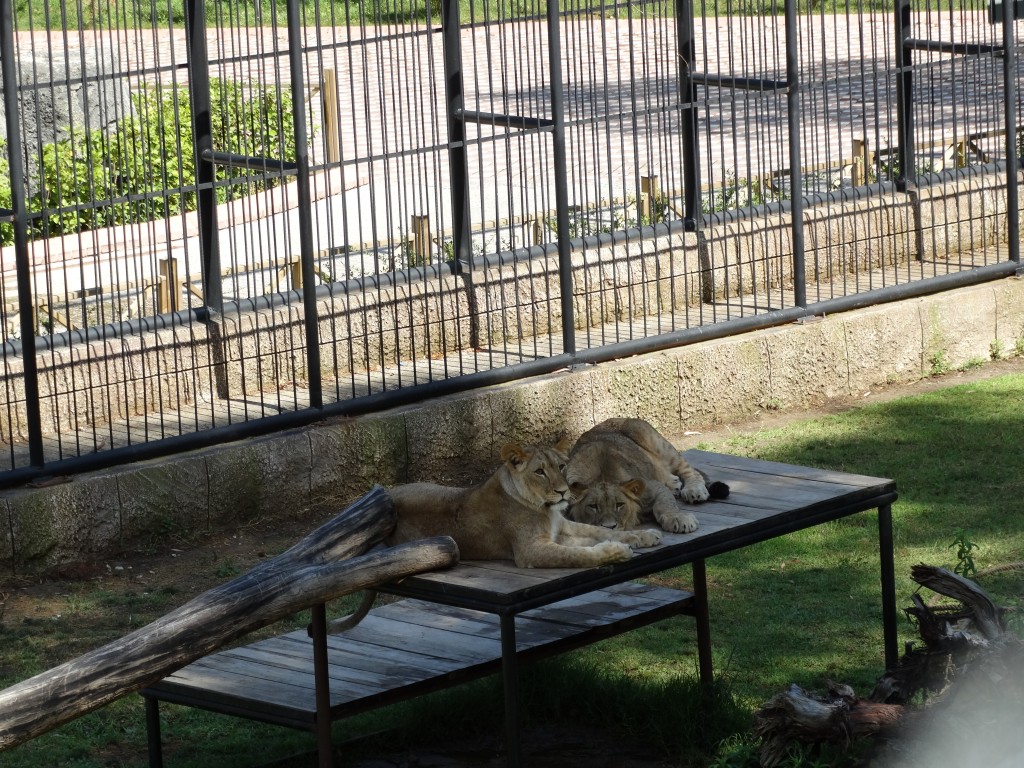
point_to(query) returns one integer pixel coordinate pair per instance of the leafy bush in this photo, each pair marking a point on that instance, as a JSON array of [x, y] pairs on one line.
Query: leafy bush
[[6, 229], [145, 168]]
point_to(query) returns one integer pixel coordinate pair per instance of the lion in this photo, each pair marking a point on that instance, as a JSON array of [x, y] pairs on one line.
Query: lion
[[516, 514], [623, 473]]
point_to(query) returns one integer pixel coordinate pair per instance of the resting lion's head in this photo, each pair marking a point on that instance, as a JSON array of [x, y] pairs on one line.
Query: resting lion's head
[[535, 475], [610, 505]]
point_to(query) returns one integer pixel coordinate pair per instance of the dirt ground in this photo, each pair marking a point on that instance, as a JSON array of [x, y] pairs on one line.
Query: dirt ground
[[184, 568]]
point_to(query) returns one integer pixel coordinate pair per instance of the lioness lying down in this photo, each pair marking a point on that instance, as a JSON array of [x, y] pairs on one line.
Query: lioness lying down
[[516, 514], [623, 472]]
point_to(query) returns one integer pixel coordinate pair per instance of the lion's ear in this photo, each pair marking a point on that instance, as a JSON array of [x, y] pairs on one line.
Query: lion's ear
[[633, 487], [563, 444], [513, 453]]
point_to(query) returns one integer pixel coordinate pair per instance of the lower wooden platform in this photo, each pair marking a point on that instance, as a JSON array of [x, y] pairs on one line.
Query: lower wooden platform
[[402, 650]]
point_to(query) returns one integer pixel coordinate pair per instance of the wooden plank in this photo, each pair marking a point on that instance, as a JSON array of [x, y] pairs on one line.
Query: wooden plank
[[197, 687], [352, 653], [584, 611], [385, 632], [528, 634], [783, 488], [761, 466], [269, 678], [384, 675]]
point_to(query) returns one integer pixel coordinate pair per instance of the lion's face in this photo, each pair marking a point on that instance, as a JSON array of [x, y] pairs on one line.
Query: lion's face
[[609, 505], [536, 475]]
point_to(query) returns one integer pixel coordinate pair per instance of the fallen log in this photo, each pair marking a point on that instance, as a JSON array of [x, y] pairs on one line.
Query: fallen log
[[837, 716], [324, 565]]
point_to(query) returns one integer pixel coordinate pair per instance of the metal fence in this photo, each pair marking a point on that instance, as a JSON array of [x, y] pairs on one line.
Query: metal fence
[[221, 217]]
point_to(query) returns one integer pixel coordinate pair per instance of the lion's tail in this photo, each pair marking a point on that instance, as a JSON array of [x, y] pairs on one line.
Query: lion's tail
[[347, 622]]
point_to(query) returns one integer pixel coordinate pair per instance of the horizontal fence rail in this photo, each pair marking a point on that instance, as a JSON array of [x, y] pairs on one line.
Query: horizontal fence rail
[[221, 218]]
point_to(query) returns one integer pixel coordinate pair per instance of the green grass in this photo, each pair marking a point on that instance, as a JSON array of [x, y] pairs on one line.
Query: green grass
[[799, 609]]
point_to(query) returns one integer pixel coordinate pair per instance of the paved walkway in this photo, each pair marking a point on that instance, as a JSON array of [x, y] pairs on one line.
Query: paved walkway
[[620, 80]]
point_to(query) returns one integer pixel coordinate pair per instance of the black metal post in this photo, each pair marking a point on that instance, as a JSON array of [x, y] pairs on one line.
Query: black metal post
[[906, 175], [560, 166], [510, 684], [888, 575], [702, 616], [296, 61], [796, 180], [16, 166], [202, 137], [322, 680], [1010, 105], [685, 55], [156, 752], [451, 36]]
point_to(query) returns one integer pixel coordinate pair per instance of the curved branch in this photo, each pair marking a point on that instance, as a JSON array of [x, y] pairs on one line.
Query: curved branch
[[304, 575]]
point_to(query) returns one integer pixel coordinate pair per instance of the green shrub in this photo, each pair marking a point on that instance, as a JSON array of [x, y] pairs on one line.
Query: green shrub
[[145, 168], [6, 228]]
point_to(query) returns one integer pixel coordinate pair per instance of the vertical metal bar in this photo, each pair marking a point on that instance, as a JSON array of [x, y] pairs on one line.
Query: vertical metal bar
[[451, 38], [888, 574], [560, 167], [296, 61], [904, 99], [703, 619], [198, 62], [510, 684], [16, 168], [322, 681], [796, 181], [686, 53], [156, 752], [1010, 105]]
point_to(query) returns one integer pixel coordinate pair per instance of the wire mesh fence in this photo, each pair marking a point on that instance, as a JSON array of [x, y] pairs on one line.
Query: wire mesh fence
[[220, 217]]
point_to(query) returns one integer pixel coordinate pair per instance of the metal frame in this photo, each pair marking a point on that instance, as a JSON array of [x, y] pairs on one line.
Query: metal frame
[[556, 119]]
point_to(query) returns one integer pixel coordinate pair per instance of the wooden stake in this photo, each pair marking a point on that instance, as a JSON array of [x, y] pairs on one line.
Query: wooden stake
[[420, 241], [332, 120], [168, 295]]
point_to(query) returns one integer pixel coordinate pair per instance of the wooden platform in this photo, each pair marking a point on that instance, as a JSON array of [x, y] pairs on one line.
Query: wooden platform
[[487, 616], [401, 650]]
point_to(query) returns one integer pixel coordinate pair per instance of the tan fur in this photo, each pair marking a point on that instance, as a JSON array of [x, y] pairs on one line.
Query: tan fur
[[623, 472], [515, 514]]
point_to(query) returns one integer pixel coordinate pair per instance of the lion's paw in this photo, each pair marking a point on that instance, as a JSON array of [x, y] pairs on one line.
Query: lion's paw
[[694, 492], [646, 537], [614, 551], [680, 522], [676, 484]]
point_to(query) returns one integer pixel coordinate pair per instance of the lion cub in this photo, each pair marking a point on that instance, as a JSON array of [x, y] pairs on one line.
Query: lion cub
[[623, 472], [516, 514]]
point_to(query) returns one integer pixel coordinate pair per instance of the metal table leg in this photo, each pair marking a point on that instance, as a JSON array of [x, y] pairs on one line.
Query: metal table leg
[[703, 618], [510, 684], [321, 676], [888, 572], [156, 755]]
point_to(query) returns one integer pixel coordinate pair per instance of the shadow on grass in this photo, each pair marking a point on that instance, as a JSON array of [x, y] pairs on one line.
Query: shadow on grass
[[807, 606]]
